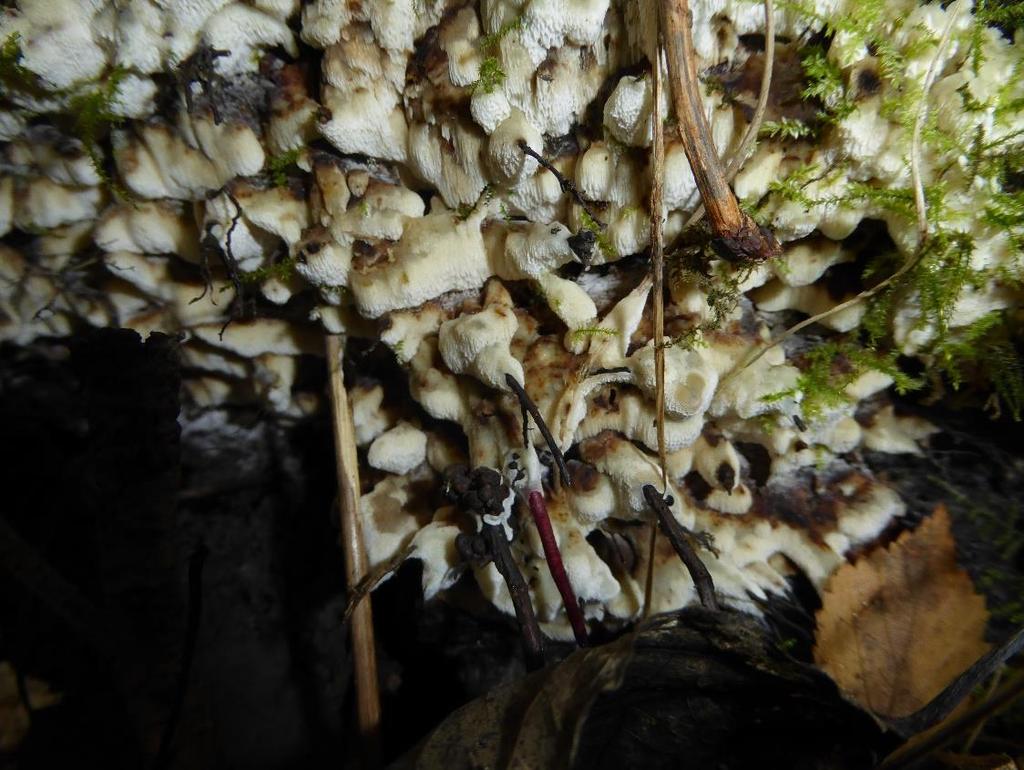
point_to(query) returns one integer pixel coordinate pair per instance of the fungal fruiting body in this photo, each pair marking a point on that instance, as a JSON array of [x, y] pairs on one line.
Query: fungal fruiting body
[[468, 184]]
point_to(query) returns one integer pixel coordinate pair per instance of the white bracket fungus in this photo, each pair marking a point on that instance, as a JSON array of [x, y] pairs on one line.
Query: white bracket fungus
[[176, 166]]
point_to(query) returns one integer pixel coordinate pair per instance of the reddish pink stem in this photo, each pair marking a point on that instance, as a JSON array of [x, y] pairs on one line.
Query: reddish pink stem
[[554, 558]]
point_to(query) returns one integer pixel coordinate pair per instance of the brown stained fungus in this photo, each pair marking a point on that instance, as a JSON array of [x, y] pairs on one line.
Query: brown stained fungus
[[430, 181]]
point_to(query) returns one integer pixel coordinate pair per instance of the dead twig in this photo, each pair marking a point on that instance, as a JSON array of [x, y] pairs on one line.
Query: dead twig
[[371, 580], [364, 653], [942, 705], [658, 267], [680, 539], [750, 137], [922, 746], [491, 545], [993, 685], [563, 181], [195, 613], [737, 237], [501, 554], [528, 406]]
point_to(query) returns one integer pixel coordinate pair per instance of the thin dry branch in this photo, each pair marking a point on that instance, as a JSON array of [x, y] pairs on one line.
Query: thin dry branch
[[680, 539], [737, 236], [658, 268], [750, 137], [923, 745], [364, 653], [657, 279]]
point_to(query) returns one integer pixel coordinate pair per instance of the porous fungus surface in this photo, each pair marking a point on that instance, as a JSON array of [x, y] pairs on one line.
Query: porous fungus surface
[[193, 168]]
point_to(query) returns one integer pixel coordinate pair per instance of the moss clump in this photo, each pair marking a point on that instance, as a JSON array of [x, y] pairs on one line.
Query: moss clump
[[825, 85], [786, 128], [592, 331], [14, 76], [984, 354], [491, 76], [282, 270], [92, 118], [278, 166], [91, 109], [490, 43], [828, 369], [604, 243], [1007, 15], [719, 281]]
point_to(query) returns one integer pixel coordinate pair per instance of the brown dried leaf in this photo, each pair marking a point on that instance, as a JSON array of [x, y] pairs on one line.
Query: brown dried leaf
[[902, 622]]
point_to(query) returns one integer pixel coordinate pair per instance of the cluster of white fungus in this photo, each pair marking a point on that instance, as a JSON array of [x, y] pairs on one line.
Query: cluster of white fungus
[[181, 166]]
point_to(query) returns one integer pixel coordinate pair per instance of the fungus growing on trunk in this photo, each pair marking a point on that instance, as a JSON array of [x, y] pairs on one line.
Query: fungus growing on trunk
[[466, 191]]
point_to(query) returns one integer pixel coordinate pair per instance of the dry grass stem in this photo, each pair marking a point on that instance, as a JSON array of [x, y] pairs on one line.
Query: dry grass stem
[[364, 652], [657, 279]]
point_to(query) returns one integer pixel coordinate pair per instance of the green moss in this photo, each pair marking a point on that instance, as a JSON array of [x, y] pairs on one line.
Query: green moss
[[825, 84], [14, 76], [90, 109], [793, 187], [721, 287], [828, 369], [490, 43], [1005, 211], [592, 331], [984, 352], [491, 76], [1008, 15], [604, 243], [787, 128], [93, 117], [278, 165], [282, 271], [690, 339]]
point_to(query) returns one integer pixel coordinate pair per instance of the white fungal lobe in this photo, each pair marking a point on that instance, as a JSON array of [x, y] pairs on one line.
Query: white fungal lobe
[[184, 166]]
